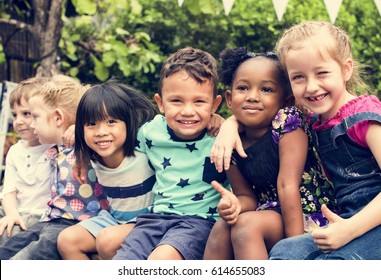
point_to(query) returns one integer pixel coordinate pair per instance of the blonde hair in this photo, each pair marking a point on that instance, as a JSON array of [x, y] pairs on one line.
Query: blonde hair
[[339, 48], [26, 88], [62, 92]]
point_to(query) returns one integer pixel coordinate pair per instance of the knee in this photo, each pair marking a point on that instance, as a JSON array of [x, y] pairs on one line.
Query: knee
[[104, 245], [66, 240]]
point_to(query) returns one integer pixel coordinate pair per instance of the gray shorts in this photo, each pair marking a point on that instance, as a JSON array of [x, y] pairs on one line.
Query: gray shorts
[[187, 234]]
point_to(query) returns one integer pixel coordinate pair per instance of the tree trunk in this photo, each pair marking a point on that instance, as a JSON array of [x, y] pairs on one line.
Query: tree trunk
[[45, 30]]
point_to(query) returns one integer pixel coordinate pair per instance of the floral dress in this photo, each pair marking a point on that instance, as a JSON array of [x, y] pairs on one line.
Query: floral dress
[[261, 169]]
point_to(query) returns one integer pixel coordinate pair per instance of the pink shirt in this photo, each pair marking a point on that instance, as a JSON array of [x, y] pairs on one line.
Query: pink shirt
[[363, 103]]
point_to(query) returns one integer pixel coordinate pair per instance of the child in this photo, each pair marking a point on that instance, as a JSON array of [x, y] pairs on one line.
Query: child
[[269, 197], [27, 174], [185, 205], [345, 131], [347, 135], [108, 118], [53, 109]]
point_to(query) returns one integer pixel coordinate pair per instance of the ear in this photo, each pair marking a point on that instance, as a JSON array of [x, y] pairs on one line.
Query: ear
[[159, 102], [216, 103], [228, 98], [59, 117], [348, 69]]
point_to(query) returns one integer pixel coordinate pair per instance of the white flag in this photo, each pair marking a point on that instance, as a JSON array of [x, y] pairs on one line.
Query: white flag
[[378, 4], [280, 8], [228, 5], [333, 7], [180, 2]]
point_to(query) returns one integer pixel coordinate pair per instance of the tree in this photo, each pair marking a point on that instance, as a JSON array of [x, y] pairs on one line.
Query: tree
[[43, 24]]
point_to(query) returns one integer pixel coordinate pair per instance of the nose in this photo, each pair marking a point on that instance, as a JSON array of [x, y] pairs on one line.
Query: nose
[[188, 110], [312, 85], [18, 120], [32, 125], [102, 129], [253, 96]]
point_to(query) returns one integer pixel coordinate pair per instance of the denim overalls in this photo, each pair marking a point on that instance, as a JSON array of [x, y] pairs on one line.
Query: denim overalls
[[356, 178]]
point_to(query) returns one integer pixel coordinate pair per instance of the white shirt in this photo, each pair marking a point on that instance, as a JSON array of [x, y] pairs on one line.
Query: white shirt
[[28, 171]]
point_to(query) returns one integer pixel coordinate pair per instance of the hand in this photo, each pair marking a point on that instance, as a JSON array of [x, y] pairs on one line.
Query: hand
[[229, 206], [68, 137], [7, 222], [78, 172], [335, 235], [226, 140], [214, 125]]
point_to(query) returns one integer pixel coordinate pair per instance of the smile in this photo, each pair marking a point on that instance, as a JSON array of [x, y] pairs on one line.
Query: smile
[[317, 98]]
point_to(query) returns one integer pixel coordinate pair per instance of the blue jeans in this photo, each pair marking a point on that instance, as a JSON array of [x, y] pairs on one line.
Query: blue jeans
[[39, 242], [302, 247]]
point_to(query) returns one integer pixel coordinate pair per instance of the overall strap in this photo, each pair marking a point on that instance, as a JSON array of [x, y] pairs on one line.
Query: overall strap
[[348, 122]]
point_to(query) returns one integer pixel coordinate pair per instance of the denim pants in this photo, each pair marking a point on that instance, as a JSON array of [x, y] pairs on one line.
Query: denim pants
[[302, 247], [39, 242]]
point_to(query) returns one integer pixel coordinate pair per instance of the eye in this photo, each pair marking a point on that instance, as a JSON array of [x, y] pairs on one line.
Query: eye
[[200, 101], [27, 114], [14, 115], [111, 121], [241, 88], [90, 124], [267, 89], [296, 77], [175, 100]]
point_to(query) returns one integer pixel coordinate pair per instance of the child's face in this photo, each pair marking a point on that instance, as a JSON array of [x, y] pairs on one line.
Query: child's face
[[317, 80], [22, 119], [187, 105], [43, 122], [107, 138], [256, 94]]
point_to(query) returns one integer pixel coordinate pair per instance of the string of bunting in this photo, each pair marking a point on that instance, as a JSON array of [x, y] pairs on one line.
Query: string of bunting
[[280, 6]]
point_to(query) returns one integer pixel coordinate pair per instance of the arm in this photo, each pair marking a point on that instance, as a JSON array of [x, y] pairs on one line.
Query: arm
[[12, 215], [293, 148], [227, 140], [342, 231], [68, 137]]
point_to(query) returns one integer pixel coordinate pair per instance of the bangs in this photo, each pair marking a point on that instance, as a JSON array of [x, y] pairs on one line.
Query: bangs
[[100, 105]]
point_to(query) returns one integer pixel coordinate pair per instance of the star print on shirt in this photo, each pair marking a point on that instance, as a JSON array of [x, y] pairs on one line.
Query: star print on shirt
[[171, 206], [212, 211], [149, 143], [183, 182], [166, 162], [199, 196], [191, 147]]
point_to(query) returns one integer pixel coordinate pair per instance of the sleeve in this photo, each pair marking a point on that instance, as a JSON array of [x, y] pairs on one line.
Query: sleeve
[[140, 143], [287, 120]]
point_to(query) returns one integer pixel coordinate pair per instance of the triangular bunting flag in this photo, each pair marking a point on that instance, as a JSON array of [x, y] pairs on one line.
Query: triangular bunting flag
[[280, 8], [378, 4], [180, 2], [333, 7], [228, 5]]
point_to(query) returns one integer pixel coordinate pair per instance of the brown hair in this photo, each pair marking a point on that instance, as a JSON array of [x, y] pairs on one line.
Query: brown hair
[[199, 65]]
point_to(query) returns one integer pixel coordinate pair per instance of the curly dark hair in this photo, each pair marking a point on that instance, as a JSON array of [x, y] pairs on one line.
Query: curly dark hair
[[231, 59]]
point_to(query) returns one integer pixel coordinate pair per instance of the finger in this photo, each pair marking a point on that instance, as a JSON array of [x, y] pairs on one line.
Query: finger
[[331, 216], [22, 225], [227, 159], [9, 228], [219, 188], [239, 149]]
